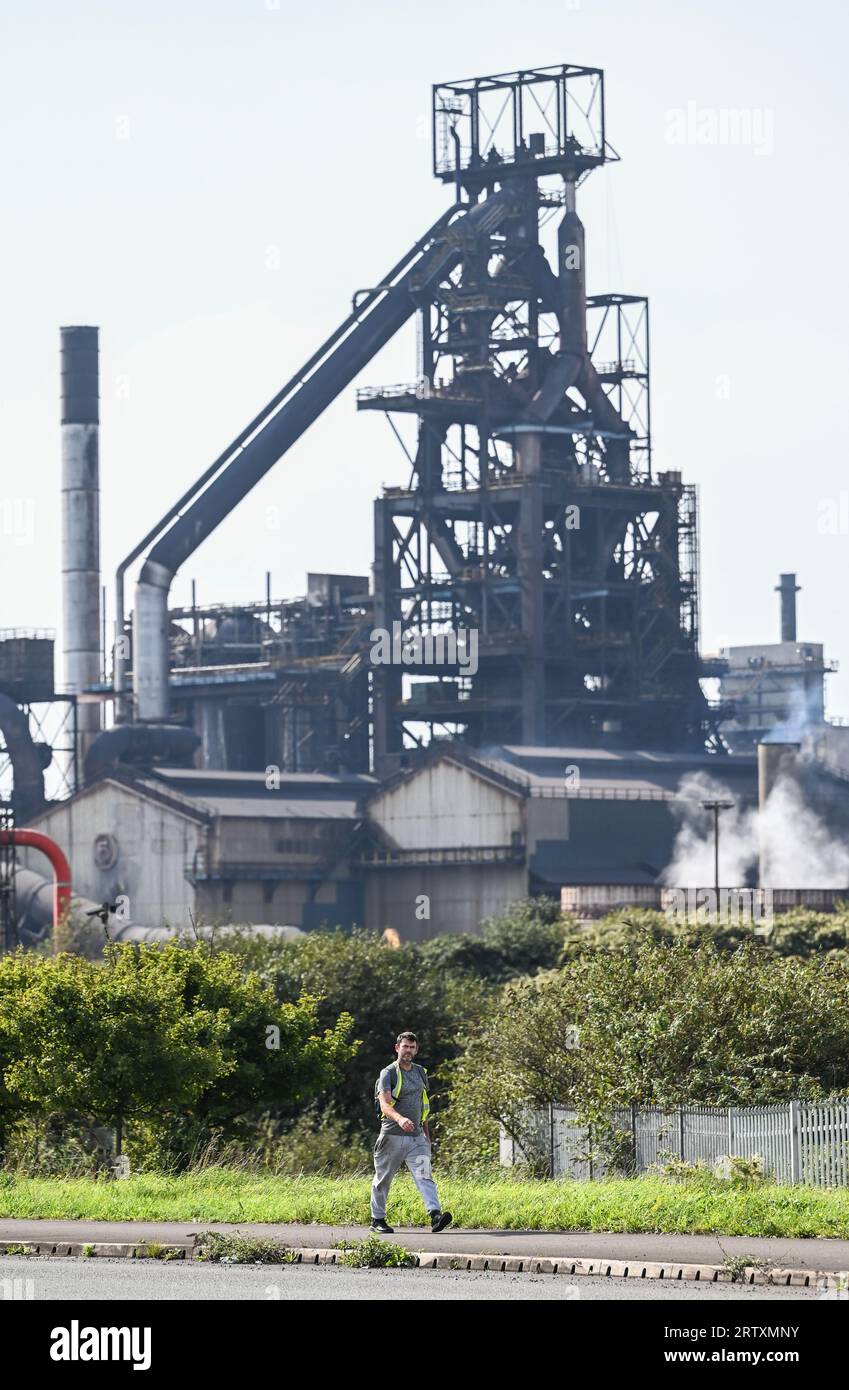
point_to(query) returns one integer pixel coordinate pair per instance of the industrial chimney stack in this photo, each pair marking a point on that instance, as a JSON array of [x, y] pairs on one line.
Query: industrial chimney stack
[[81, 524], [788, 589]]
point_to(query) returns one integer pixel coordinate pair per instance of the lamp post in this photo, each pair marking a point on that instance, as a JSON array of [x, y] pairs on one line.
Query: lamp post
[[716, 807]]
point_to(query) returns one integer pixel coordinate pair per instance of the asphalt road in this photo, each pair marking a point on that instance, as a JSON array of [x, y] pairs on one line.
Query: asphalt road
[[682, 1249], [78, 1280]]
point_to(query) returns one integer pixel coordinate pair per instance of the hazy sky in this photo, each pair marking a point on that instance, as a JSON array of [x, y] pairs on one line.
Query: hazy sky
[[209, 183]]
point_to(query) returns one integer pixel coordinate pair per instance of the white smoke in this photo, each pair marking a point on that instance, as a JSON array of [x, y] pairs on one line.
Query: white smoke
[[799, 848], [796, 844], [804, 716], [692, 864]]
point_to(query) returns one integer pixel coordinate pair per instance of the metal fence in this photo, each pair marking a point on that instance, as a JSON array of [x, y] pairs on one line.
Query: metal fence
[[798, 1142]]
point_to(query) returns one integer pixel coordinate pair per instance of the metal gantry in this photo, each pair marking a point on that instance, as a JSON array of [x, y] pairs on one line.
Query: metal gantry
[[532, 515]]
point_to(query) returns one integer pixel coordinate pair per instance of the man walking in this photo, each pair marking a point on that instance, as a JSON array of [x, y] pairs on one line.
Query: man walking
[[404, 1136]]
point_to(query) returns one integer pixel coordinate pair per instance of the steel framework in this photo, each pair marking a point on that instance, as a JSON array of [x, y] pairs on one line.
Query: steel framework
[[532, 516]]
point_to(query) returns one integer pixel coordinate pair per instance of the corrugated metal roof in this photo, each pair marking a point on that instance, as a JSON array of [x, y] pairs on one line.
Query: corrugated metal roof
[[602, 770], [630, 876], [270, 807], [522, 754], [212, 776]]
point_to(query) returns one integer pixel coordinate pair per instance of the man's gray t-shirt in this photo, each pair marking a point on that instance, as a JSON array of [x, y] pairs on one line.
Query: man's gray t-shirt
[[409, 1102]]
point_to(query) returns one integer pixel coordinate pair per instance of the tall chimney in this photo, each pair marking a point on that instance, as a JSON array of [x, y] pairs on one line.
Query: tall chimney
[[788, 589], [81, 524]]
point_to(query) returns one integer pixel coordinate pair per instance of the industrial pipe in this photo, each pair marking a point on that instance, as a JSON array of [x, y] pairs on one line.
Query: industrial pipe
[[777, 762], [33, 839], [140, 746], [27, 765], [119, 667], [315, 387], [572, 320]]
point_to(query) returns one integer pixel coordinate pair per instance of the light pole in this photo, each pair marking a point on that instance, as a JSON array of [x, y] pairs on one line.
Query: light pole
[[716, 807]]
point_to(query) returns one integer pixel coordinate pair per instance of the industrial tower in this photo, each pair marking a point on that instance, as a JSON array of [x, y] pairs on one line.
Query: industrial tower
[[532, 515]]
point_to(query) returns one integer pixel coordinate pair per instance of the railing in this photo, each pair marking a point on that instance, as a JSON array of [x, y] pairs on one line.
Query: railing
[[604, 794], [450, 854], [798, 1142], [614, 368]]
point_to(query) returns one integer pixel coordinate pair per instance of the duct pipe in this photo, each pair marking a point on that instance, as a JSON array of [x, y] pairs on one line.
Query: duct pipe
[[572, 319], [788, 589], [313, 389], [26, 759], [80, 423], [33, 839], [34, 894], [119, 668], [140, 746], [573, 278]]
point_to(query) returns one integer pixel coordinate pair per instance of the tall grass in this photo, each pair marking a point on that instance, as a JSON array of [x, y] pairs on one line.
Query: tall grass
[[494, 1203]]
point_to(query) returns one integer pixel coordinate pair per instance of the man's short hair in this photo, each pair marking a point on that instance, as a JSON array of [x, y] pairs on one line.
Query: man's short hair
[[406, 1037]]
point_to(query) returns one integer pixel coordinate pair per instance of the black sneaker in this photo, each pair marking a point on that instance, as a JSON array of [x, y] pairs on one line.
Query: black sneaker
[[439, 1220], [385, 1230]]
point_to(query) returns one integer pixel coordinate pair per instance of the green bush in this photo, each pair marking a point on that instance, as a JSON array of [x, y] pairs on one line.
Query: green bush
[[740, 1170], [318, 1142], [657, 1024], [799, 933], [385, 989], [56, 1144], [172, 1039], [528, 938]]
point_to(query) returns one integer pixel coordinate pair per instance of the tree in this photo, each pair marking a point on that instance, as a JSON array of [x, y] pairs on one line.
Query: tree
[[657, 1024], [386, 989], [156, 1035]]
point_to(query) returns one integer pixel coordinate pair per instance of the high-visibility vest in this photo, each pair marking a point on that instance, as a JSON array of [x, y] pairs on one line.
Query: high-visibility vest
[[396, 1089]]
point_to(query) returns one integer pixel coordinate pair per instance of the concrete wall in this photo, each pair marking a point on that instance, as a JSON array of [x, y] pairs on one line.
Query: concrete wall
[[151, 846], [547, 820], [280, 903], [277, 841], [447, 806], [607, 834], [243, 848], [458, 898]]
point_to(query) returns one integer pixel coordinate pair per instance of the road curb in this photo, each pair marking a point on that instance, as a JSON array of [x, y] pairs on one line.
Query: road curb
[[570, 1266]]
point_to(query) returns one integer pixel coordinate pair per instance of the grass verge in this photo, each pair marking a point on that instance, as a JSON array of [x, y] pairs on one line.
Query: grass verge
[[500, 1203]]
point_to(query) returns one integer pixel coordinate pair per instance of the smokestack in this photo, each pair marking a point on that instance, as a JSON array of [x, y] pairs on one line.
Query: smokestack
[[81, 524], [776, 761], [788, 589]]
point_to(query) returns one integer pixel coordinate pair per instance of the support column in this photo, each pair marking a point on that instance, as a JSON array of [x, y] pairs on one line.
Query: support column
[[385, 680], [529, 546]]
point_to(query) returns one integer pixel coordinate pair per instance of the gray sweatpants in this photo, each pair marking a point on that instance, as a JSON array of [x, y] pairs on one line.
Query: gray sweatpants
[[391, 1152]]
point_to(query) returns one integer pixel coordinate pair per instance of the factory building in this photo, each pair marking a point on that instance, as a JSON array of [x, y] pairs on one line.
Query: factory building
[[437, 848], [777, 688], [473, 833], [184, 844], [507, 703]]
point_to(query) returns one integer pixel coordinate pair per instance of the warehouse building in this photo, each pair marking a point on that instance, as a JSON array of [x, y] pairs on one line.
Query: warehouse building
[[460, 836], [183, 844]]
